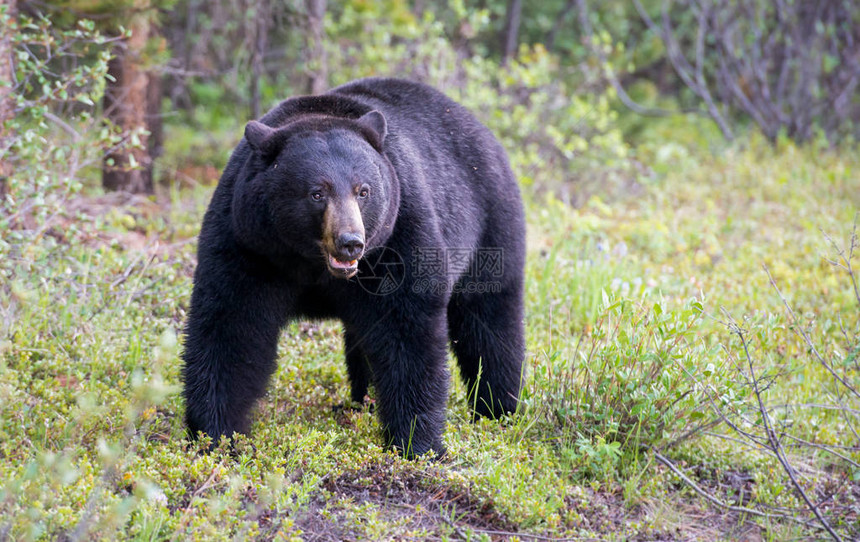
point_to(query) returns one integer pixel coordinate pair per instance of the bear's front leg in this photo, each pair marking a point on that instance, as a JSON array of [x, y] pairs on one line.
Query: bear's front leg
[[408, 354], [231, 339]]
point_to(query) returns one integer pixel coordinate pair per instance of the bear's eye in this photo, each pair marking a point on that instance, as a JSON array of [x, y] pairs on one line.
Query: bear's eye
[[364, 192], [316, 196]]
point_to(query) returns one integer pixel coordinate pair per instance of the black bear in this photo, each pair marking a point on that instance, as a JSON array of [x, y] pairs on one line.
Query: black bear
[[324, 194]]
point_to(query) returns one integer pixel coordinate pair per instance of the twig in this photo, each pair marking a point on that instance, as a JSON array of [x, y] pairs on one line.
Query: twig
[[802, 332], [789, 406], [825, 448], [745, 443], [76, 137], [847, 259], [776, 447], [724, 505], [682, 66]]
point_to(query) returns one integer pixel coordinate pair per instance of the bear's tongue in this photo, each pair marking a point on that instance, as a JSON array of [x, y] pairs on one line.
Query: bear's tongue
[[337, 264]]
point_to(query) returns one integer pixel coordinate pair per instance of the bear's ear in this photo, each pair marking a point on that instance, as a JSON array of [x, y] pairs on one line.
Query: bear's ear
[[257, 134], [374, 121]]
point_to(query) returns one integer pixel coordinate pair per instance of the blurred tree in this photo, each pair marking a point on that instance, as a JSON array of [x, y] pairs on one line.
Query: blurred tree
[[791, 67], [233, 54], [8, 10], [132, 99], [318, 61], [259, 23], [126, 101], [513, 16], [559, 23], [57, 131]]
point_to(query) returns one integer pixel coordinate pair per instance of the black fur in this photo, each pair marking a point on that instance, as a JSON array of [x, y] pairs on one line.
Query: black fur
[[437, 179]]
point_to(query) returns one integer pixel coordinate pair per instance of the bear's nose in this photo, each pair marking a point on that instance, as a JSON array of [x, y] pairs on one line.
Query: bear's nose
[[350, 245]]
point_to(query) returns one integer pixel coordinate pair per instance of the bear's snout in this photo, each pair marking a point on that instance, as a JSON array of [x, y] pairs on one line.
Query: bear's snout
[[343, 237], [349, 246], [343, 260]]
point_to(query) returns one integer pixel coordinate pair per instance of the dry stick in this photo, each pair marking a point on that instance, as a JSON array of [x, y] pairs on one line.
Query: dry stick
[[774, 442], [758, 441], [682, 66], [745, 444], [721, 504], [700, 428], [806, 338], [849, 422], [844, 331], [790, 406], [825, 448], [534, 536], [753, 438], [841, 252], [775, 450]]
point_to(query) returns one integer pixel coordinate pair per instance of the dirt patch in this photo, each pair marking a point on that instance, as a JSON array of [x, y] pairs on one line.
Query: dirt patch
[[404, 504], [733, 487], [386, 502]]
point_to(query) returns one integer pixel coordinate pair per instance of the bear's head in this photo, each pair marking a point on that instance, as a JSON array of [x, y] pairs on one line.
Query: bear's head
[[319, 187]]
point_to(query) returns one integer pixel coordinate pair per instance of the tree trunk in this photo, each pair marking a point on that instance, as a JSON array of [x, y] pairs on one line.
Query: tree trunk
[[154, 124], [512, 28], [261, 34], [129, 168], [7, 102], [559, 22], [318, 73]]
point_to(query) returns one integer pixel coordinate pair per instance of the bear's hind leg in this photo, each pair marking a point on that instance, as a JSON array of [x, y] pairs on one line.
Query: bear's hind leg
[[357, 367], [487, 336], [408, 356]]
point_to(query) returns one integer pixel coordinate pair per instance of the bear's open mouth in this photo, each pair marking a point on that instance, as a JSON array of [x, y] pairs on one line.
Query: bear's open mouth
[[342, 268]]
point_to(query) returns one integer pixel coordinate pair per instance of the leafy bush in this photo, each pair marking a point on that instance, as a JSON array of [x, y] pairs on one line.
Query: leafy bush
[[640, 378], [58, 138]]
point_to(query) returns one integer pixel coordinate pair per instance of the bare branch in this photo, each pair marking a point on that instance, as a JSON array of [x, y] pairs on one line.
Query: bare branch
[[799, 329], [852, 244], [721, 504], [682, 66], [826, 448], [76, 137], [774, 443]]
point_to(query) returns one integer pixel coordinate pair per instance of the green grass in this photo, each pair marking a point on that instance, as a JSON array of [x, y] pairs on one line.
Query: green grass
[[627, 347]]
